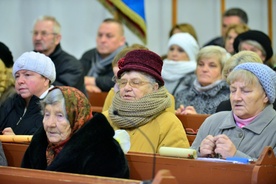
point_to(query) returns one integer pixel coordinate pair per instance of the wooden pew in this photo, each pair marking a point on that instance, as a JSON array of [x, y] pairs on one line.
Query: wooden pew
[[97, 109], [191, 123], [198, 171], [16, 175], [97, 99], [14, 152], [184, 170], [26, 176]]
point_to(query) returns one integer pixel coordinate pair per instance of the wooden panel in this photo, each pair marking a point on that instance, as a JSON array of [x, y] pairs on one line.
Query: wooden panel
[[97, 109], [198, 171], [14, 153], [191, 124], [184, 170], [97, 99], [192, 121], [10, 175]]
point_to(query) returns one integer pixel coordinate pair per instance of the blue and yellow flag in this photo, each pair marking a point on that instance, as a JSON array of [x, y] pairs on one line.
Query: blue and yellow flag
[[131, 13]]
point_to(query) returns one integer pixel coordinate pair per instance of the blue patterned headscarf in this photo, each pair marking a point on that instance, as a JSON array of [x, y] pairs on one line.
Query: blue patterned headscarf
[[266, 76]]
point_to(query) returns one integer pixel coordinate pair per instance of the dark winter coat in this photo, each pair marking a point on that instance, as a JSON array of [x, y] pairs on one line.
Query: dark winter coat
[[104, 80], [91, 150], [13, 109], [69, 71]]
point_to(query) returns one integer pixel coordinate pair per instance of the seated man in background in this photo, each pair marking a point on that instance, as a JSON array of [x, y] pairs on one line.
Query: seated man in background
[[230, 17], [97, 62], [46, 40]]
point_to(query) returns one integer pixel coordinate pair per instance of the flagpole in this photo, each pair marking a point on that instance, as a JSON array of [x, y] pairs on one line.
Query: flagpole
[[270, 26], [174, 12], [222, 10]]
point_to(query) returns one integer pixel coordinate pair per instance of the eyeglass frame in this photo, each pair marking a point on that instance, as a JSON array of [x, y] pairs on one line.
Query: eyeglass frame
[[131, 82], [42, 33]]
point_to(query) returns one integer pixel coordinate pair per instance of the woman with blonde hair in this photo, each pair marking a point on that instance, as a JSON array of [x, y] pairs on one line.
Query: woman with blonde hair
[[209, 88], [231, 33]]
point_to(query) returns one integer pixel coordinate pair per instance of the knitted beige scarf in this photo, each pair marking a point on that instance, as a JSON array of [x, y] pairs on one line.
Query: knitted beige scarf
[[133, 114]]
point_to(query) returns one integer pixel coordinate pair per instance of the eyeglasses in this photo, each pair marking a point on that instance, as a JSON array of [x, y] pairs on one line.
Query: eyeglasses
[[135, 83], [42, 33]]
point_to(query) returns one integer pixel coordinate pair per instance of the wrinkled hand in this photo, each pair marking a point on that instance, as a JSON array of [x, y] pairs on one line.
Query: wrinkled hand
[[185, 110], [8, 131], [207, 146], [224, 146]]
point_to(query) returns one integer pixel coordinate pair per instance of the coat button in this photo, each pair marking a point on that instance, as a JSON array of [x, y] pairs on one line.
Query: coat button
[[240, 135]]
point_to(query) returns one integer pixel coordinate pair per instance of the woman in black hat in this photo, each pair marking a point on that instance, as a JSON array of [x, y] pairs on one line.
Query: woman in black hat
[[256, 41]]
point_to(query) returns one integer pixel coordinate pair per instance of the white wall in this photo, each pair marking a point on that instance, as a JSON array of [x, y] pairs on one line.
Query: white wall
[[80, 19]]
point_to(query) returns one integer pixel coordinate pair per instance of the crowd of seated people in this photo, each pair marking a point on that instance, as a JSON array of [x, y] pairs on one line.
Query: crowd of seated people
[[146, 93]]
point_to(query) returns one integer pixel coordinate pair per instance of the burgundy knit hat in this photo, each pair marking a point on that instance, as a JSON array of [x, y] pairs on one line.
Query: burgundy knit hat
[[144, 61]]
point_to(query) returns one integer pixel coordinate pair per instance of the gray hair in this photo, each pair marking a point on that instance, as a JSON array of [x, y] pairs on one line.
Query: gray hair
[[56, 28], [254, 44], [54, 97], [239, 58], [213, 51]]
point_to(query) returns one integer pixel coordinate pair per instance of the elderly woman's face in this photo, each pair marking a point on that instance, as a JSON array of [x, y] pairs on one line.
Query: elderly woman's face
[[208, 71], [29, 83], [249, 47], [134, 85], [56, 125], [247, 100]]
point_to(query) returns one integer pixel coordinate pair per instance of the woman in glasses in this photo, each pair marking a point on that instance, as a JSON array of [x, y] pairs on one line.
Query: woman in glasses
[[140, 105]]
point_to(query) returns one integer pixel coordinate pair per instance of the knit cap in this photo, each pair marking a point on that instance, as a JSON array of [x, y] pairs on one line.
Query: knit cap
[[186, 42], [266, 76], [144, 61], [36, 62]]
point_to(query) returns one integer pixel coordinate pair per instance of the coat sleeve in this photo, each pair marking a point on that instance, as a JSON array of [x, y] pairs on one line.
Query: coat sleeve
[[173, 133], [105, 83]]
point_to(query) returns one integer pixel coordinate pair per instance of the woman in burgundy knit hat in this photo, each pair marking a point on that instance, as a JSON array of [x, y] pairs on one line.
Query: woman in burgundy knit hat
[[139, 107]]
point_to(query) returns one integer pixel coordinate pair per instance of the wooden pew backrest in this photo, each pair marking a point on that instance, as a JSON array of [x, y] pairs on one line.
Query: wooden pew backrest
[[191, 124], [97, 99], [198, 171], [184, 170], [25, 176], [14, 153]]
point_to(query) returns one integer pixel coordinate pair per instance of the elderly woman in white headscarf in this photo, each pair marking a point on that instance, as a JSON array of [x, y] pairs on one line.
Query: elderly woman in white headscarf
[[251, 125], [179, 67]]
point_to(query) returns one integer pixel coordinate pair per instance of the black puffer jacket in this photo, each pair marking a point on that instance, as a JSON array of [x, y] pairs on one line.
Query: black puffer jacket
[[13, 109]]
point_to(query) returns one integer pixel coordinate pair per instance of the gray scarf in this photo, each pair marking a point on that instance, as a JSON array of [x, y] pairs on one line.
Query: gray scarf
[[133, 114], [102, 63]]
